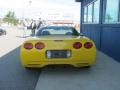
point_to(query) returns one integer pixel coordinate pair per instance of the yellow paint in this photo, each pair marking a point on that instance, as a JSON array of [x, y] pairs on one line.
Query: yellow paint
[[37, 58]]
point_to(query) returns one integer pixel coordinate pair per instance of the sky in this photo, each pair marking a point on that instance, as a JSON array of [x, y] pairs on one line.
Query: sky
[[43, 8]]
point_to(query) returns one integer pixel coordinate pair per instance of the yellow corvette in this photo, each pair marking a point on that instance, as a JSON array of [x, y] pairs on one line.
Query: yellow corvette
[[53, 45]]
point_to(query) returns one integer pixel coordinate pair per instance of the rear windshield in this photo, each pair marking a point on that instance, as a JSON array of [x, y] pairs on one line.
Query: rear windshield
[[57, 31]]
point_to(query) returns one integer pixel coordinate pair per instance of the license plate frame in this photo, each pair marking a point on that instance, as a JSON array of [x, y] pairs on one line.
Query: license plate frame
[[58, 54]]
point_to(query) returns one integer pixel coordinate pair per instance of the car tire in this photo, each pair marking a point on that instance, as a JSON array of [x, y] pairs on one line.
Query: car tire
[[87, 67], [31, 68], [28, 68]]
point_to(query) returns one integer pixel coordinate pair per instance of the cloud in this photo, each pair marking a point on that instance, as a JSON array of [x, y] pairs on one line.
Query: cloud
[[38, 7]]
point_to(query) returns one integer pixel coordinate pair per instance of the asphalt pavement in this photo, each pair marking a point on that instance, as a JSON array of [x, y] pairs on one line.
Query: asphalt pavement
[[12, 75], [103, 75]]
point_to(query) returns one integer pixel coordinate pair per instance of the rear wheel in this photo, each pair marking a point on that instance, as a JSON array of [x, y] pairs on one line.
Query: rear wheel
[[87, 67], [28, 68], [83, 67], [31, 68]]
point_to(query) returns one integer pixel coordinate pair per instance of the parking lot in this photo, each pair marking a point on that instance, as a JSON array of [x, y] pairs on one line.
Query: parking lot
[[12, 75], [104, 75]]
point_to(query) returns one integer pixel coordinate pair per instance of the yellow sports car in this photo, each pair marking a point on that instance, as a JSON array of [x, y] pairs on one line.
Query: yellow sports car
[[53, 45]]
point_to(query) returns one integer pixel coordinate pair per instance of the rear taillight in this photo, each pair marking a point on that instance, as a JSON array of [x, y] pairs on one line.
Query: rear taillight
[[77, 45], [28, 45], [39, 45], [88, 45]]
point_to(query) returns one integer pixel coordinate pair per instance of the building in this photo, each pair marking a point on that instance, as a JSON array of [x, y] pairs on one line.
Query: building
[[100, 20]]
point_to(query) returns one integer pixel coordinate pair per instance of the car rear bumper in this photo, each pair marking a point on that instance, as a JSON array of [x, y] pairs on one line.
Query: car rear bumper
[[75, 63]]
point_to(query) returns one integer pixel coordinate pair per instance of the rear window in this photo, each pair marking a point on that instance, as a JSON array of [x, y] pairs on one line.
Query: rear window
[[57, 31]]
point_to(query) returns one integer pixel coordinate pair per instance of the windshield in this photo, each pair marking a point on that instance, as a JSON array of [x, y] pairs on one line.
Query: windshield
[[57, 31]]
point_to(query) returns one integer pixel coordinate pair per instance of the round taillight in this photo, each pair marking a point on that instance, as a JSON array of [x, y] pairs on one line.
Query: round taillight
[[77, 45], [39, 45], [28, 45], [88, 45]]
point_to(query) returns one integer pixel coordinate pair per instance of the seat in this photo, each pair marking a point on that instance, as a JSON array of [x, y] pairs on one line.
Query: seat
[[68, 33], [45, 33]]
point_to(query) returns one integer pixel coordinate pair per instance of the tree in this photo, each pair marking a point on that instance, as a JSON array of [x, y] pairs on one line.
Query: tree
[[10, 18]]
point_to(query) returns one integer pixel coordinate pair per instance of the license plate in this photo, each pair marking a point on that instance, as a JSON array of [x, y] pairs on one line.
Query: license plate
[[57, 54]]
